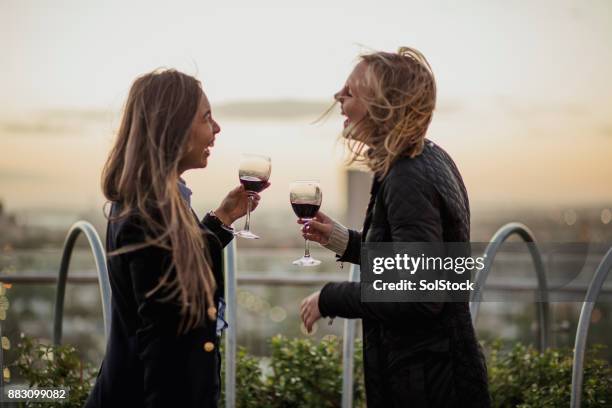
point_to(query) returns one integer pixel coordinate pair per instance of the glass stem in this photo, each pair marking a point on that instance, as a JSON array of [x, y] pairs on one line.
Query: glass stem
[[306, 248], [306, 242], [247, 223]]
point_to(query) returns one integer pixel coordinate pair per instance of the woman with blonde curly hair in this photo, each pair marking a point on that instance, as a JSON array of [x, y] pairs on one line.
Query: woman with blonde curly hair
[[165, 263], [415, 354]]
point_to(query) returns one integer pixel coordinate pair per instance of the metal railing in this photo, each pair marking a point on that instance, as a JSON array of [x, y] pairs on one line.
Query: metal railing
[[583, 327], [498, 239], [595, 288], [305, 281], [100, 258], [231, 317], [58, 316], [348, 349]]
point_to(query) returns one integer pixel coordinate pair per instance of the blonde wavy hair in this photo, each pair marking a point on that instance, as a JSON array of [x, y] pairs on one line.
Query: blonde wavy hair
[[142, 174], [400, 102]]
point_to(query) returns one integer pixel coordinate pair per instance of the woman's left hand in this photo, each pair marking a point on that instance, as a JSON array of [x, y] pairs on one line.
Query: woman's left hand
[[234, 205], [309, 310]]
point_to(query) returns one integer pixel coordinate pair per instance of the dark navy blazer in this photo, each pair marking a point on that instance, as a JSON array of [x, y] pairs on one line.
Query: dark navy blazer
[[147, 364]]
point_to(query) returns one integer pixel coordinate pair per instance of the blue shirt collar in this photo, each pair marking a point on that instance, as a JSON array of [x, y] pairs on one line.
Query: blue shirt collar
[[184, 190]]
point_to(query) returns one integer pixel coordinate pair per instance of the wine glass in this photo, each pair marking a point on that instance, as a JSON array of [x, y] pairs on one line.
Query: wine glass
[[306, 197], [254, 173]]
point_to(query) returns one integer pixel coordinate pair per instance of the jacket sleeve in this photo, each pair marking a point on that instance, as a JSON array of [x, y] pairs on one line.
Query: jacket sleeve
[[352, 253], [213, 225], [413, 216], [173, 363], [343, 299]]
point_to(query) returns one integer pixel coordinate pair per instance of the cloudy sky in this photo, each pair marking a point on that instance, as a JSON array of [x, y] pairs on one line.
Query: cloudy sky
[[85, 53]]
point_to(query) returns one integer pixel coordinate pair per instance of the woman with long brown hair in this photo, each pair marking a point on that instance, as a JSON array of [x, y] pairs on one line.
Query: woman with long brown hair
[[165, 264], [415, 354]]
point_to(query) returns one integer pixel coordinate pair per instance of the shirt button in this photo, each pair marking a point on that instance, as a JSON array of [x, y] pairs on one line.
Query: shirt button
[[212, 313], [209, 346]]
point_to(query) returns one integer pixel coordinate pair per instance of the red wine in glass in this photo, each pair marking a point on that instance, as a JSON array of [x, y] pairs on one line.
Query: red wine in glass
[[305, 210], [305, 198], [253, 184], [253, 173]]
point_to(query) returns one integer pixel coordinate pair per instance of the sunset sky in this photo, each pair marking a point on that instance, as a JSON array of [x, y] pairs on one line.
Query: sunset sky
[[524, 95], [85, 53]]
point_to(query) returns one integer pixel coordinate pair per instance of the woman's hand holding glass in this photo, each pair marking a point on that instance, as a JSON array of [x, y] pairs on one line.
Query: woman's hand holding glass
[[235, 204], [318, 229]]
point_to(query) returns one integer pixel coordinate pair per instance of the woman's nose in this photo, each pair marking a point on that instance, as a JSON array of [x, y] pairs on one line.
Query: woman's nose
[[339, 96], [216, 128]]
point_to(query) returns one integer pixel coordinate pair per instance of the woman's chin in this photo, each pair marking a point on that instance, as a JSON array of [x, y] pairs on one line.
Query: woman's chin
[[203, 161]]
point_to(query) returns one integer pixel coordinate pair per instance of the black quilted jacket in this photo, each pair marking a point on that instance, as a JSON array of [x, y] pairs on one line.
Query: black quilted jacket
[[415, 354]]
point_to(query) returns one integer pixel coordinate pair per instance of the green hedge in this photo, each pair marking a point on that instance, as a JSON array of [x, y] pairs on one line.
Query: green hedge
[[46, 366], [303, 373], [299, 373], [523, 377]]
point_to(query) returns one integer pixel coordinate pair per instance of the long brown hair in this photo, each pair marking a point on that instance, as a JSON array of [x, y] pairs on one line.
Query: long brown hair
[[142, 174], [400, 105]]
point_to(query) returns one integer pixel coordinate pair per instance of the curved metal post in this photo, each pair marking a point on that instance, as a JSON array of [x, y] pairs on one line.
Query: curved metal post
[[583, 327], [231, 317], [490, 252], [100, 258], [348, 350]]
